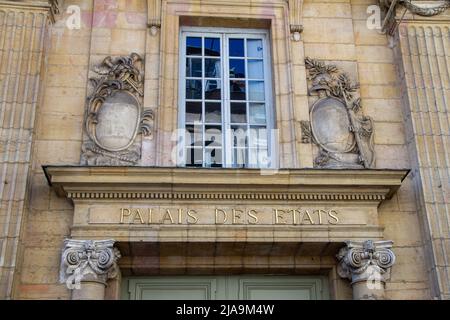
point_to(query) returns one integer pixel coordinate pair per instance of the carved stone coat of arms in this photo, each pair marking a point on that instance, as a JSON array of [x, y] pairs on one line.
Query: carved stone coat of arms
[[343, 135], [114, 115]]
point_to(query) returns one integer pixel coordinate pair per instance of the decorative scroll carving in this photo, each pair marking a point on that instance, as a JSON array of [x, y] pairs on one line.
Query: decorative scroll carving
[[368, 260], [87, 259], [295, 18], [154, 15], [148, 118], [114, 115], [344, 136]]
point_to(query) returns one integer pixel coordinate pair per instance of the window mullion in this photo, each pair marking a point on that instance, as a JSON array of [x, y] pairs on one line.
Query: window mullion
[[226, 102]]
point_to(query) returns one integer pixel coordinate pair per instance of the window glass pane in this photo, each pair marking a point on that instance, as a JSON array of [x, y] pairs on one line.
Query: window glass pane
[[213, 90], [258, 158], [213, 136], [237, 68], [254, 48], [238, 112], [212, 68], [194, 136], [194, 46], [213, 157], [239, 136], [258, 137], [256, 90], [237, 90], [193, 89], [236, 47], [213, 112], [193, 112], [212, 47], [194, 157], [239, 157], [257, 113], [255, 69], [194, 67]]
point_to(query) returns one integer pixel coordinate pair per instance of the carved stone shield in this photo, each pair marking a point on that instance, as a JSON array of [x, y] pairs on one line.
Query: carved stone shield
[[330, 125], [117, 121]]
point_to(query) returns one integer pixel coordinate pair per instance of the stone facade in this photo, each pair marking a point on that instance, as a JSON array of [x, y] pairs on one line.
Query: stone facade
[[403, 77]]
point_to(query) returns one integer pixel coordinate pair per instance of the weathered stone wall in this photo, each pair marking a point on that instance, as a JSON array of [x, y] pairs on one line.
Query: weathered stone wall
[[334, 31]]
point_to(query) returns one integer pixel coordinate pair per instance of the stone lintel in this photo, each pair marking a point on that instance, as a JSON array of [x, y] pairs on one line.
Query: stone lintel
[[87, 182]]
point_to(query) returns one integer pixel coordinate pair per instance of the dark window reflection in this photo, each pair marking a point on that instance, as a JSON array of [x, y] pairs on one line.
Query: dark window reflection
[[193, 112], [212, 47], [236, 47], [213, 90], [238, 112], [237, 68], [194, 157], [194, 67], [194, 46], [212, 68], [237, 90], [193, 89]]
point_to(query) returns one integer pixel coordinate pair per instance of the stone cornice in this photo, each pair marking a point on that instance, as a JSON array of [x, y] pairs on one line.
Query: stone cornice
[[223, 184], [50, 6]]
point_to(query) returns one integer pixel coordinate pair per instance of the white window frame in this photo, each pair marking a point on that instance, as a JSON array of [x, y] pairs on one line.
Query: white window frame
[[225, 34]]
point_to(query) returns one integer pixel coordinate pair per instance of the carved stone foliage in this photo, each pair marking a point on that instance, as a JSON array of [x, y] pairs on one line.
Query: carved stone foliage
[[425, 10], [368, 260], [344, 136], [115, 115], [88, 260]]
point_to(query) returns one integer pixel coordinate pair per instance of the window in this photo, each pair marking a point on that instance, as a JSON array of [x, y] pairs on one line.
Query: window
[[225, 98]]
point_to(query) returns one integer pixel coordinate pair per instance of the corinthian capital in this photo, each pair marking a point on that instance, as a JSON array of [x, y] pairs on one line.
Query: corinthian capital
[[88, 260], [366, 260]]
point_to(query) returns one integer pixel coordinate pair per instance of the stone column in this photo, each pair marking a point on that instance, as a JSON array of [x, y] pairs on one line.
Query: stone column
[[421, 44], [86, 265], [367, 264], [23, 25]]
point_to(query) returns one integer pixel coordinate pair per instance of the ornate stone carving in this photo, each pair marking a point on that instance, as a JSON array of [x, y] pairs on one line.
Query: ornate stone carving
[[388, 6], [88, 260], [154, 15], [114, 115], [344, 136], [307, 136], [366, 260], [426, 11], [295, 18]]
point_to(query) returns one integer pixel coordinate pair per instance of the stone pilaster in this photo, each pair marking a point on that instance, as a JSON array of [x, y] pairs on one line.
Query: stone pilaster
[[422, 47], [23, 26], [86, 265], [368, 266]]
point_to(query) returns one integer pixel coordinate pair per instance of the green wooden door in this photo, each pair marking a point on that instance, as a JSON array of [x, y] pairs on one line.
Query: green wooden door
[[225, 288]]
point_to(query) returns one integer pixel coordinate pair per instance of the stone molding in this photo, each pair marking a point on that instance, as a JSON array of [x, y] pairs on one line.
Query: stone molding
[[154, 15], [295, 18], [223, 184], [366, 260], [51, 5], [88, 260]]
